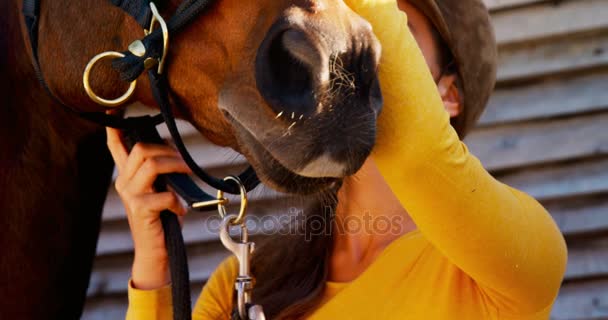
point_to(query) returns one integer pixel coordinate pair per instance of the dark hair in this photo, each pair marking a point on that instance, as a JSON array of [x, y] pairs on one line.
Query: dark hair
[[446, 61], [291, 270]]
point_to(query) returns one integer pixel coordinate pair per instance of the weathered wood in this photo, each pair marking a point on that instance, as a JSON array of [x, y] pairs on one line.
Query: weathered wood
[[584, 300], [549, 20], [494, 5], [111, 274], [529, 143], [106, 307], [587, 259], [561, 181], [115, 306], [580, 216], [548, 98], [542, 58]]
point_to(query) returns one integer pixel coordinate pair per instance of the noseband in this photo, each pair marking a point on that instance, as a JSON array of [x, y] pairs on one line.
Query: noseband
[[148, 54]]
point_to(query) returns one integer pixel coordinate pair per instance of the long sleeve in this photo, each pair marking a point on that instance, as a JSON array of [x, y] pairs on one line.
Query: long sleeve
[[149, 304], [501, 237], [215, 301]]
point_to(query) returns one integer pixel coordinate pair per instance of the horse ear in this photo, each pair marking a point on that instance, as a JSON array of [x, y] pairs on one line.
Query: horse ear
[[450, 94]]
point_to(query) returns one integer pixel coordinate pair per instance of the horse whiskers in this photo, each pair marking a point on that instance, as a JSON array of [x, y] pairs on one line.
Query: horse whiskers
[[342, 84], [288, 132], [341, 77], [293, 115]]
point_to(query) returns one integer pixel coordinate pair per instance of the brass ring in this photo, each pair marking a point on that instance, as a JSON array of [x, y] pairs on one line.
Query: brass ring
[[240, 218], [87, 86], [156, 17]]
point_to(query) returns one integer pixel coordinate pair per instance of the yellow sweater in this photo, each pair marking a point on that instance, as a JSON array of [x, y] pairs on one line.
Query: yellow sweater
[[483, 250]]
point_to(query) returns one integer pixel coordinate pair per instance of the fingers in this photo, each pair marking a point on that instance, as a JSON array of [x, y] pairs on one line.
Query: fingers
[[146, 204], [117, 147], [144, 164], [143, 180], [135, 182], [143, 151]]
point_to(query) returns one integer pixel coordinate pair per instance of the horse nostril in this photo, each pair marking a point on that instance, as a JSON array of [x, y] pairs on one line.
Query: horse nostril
[[288, 69], [297, 44]]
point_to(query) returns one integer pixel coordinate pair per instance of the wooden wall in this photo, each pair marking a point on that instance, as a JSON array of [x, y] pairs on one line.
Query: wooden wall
[[545, 132]]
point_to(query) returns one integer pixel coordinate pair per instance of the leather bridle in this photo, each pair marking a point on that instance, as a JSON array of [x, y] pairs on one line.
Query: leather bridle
[[148, 54]]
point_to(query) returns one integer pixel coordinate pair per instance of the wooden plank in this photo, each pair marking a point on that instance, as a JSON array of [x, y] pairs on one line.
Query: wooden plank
[[115, 306], [560, 181], [587, 258], [580, 216], [107, 307], [582, 300], [549, 20], [494, 5], [548, 98], [111, 274], [528, 143], [538, 59]]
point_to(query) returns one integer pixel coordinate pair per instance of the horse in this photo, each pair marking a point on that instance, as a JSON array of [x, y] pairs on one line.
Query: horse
[[291, 84]]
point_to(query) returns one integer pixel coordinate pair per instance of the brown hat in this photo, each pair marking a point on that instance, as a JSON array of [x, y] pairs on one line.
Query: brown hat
[[465, 27]]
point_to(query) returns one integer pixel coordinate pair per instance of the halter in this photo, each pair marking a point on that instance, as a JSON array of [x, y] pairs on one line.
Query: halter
[[149, 54]]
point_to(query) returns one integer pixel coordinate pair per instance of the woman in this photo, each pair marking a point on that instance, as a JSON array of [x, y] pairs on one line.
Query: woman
[[466, 246]]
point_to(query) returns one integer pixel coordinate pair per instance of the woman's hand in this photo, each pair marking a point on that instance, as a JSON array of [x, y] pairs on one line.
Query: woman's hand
[[137, 172]]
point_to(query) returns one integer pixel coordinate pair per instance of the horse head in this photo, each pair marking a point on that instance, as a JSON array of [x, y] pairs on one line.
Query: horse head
[[291, 84]]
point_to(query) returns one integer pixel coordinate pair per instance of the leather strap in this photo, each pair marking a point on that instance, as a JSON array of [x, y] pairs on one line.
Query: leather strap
[[138, 9], [160, 91]]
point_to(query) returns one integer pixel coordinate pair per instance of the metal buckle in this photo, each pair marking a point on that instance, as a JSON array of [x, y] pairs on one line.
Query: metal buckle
[[243, 250], [244, 281], [221, 206], [137, 48], [214, 202], [156, 17], [87, 86]]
